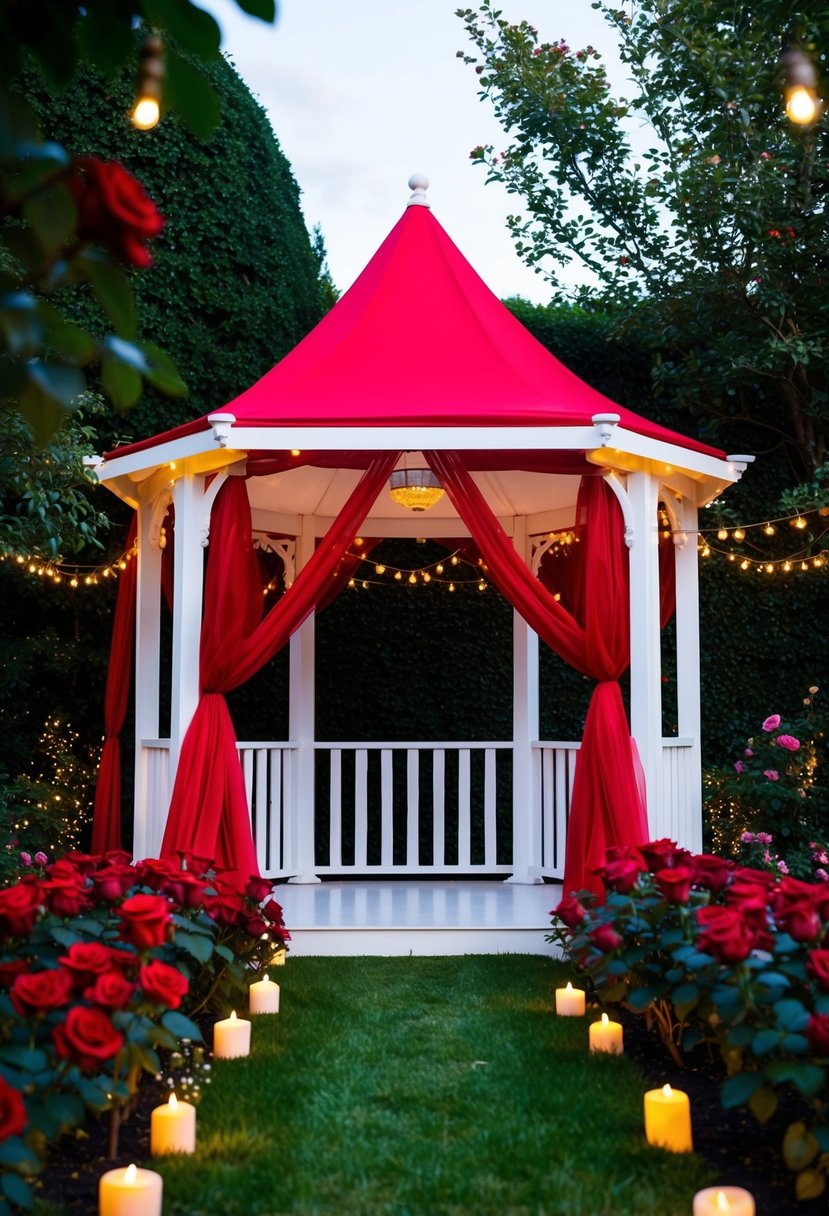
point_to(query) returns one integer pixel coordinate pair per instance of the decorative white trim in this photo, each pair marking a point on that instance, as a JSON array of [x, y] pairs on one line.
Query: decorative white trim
[[207, 504], [158, 508], [624, 502], [606, 425], [285, 550], [221, 424], [418, 184]]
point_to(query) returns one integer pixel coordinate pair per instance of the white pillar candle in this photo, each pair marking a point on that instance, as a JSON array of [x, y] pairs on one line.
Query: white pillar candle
[[724, 1201], [668, 1120], [606, 1036], [129, 1192], [173, 1128], [264, 996], [231, 1038], [569, 1001]]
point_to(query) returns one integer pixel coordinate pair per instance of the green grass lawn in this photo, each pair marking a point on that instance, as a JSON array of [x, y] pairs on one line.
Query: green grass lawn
[[413, 1086]]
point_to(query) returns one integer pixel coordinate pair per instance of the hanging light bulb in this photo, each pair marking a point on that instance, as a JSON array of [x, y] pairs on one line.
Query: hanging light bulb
[[739, 534], [799, 523], [744, 564], [706, 552], [722, 534], [482, 585], [803, 105], [380, 569], [769, 529], [439, 568], [398, 574], [147, 109], [451, 586]]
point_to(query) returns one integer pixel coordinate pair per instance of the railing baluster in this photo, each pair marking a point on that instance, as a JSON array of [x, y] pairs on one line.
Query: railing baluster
[[360, 808], [275, 857], [490, 820], [438, 806], [386, 807], [412, 807], [335, 805], [464, 820], [259, 808]]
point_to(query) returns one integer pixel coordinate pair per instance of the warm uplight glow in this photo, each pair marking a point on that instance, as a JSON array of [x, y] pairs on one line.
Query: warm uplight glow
[[145, 113], [802, 106]]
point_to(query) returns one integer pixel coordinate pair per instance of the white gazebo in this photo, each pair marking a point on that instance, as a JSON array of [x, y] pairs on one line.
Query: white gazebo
[[417, 358]]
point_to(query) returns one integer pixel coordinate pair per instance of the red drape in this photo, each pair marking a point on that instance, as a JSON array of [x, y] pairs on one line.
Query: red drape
[[208, 811], [606, 807], [106, 821]]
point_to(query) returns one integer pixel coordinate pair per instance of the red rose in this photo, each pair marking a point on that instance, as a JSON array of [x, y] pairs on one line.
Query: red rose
[[163, 984], [12, 1110], [817, 1032], [818, 968], [84, 863], [258, 888], [255, 926], [66, 897], [112, 990], [796, 908], [19, 908], [87, 1037], [751, 901], [111, 882], [272, 911], [115, 209], [605, 938], [621, 874], [64, 868], [10, 970], [144, 920], [40, 991], [662, 854], [675, 884], [86, 960], [724, 934], [711, 872], [185, 888], [801, 923], [153, 871], [225, 908], [117, 857], [570, 911]]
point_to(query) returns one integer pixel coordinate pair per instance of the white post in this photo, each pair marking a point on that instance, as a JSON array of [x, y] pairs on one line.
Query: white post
[[645, 659], [688, 679], [188, 580], [526, 808], [147, 663], [302, 726]]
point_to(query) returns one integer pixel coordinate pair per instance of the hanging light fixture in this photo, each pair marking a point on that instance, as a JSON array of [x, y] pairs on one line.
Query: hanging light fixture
[[415, 489], [147, 108], [800, 94]]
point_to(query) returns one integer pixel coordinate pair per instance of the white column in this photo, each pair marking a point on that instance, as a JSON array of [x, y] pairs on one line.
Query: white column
[[188, 580], [147, 664], [689, 819], [302, 726], [526, 807], [645, 660]]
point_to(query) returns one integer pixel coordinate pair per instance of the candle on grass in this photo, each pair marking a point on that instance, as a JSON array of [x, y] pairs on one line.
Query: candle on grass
[[606, 1036], [668, 1119], [724, 1201], [129, 1192], [264, 996], [231, 1038], [173, 1128], [569, 1001]]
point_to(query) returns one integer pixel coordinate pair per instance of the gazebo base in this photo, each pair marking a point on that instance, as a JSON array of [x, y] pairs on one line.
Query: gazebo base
[[418, 917]]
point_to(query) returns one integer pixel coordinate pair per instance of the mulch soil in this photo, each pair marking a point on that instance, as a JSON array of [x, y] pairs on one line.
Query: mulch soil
[[742, 1152]]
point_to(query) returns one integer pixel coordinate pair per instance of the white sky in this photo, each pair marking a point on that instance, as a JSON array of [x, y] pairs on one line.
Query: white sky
[[363, 93]]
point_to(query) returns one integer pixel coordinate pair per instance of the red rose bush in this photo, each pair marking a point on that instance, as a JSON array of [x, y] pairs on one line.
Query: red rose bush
[[727, 955], [103, 965]]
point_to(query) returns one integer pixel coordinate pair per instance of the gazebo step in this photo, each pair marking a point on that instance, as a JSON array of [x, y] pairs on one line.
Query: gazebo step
[[418, 917]]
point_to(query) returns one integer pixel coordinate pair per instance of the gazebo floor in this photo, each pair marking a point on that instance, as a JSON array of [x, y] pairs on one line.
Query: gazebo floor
[[422, 917]]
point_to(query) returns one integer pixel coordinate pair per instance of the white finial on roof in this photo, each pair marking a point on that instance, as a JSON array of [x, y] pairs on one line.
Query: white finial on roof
[[418, 184]]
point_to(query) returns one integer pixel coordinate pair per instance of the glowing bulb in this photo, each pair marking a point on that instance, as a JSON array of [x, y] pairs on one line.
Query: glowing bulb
[[454, 559], [803, 566], [296, 452], [802, 105], [451, 586], [722, 534], [145, 114], [427, 578], [412, 578], [358, 541], [800, 522], [706, 552], [769, 529], [769, 568], [352, 583], [398, 574], [380, 569], [787, 565], [744, 565], [482, 585], [365, 586], [739, 534], [439, 568], [818, 562]]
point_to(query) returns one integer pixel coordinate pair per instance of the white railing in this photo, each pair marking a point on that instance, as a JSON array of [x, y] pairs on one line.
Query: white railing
[[556, 770], [418, 808], [267, 771], [414, 808]]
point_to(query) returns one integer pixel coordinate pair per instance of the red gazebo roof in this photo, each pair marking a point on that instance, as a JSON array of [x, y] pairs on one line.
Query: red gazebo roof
[[420, 339]]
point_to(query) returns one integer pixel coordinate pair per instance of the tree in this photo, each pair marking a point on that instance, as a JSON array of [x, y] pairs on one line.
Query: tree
[[711, 243], [69, 223]]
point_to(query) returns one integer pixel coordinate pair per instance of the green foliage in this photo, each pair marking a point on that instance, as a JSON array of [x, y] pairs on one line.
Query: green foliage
[[726, 956], [712, 241]]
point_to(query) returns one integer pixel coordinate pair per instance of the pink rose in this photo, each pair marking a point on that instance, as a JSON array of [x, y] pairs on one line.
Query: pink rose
[[771, 773], [739, 766], [772, 723], [25, 859], [749, 751], [41, 859], [789, 742]]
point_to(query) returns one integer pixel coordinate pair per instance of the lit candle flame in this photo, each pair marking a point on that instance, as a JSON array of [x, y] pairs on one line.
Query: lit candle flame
[[667, 1091], [233, 1016], [722, 1202], [173, 1103], [130, 1174], [265, 979], [604, 1019], [569, 987]]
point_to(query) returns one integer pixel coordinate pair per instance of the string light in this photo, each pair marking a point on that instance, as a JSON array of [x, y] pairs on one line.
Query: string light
[[74, 574], [803, 559], [420, 575]]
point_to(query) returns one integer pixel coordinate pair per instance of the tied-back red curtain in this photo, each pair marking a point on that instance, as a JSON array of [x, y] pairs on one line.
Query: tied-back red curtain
[[208, 811], [606, 806], [106, 820]]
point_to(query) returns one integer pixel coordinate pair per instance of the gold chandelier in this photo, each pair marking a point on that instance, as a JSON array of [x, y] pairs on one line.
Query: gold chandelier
[[415, 489]]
